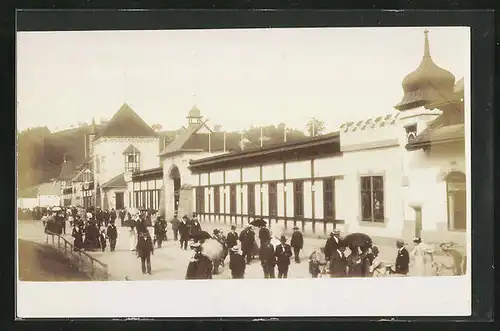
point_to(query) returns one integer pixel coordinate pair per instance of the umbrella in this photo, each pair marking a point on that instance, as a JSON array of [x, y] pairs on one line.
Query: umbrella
[[56, 208], [258, 222], [201, 235], [357, 240]]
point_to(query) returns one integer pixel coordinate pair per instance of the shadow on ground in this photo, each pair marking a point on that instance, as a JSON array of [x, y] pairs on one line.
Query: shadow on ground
[[42, 263]]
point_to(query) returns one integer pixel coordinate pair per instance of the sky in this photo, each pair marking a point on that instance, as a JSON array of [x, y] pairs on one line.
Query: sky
[[236, 77]]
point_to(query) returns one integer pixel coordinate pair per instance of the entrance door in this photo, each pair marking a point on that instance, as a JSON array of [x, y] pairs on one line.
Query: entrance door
[[119, 201], [459, 212], [177, 189]]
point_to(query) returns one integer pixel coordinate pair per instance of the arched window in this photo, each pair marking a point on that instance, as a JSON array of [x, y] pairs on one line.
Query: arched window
[[456, 200], [132, 159]]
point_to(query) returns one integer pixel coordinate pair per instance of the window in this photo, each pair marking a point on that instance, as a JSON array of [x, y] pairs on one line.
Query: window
[[251, 199], [411, 133], [372, 198], [298, 199], [132, 161], [87, 176], [329, 198], [200, 200], [216, 200], [232, 200], [273, 199], [456, 200]]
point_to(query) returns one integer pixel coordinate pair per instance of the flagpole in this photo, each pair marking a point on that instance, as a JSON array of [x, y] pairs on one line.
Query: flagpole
[[224, 141], [261, 138]]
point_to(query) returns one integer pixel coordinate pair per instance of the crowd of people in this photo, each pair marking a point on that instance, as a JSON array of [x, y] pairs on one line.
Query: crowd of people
[[93, 229]]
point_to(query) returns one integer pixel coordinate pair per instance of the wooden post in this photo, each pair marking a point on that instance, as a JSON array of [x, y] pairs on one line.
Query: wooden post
[[284, 194], [313, 198]]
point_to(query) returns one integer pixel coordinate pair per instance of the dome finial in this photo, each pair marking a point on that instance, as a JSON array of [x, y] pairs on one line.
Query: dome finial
[[427, 51]]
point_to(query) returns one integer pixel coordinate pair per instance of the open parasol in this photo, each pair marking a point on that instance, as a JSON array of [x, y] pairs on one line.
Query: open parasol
[[258, 222], [201, 235], [357, 240], [56, 208]]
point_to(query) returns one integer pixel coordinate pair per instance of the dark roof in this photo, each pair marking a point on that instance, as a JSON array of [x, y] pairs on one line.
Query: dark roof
[[190, 140], [446, 128], [126, 123], [117, 181], [148, 174], [131, 149], [67, 172], [328, 144]]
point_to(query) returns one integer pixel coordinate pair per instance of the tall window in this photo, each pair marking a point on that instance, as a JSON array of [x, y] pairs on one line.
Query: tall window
[[273, 199], [329, 198], [216, 200], [456, 200], [200, 199], [298, 198], [372, 198], [251, 199], [132, 162], [232, 200]]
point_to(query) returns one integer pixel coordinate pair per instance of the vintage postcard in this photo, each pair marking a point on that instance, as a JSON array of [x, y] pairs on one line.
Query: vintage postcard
[[261, 164]]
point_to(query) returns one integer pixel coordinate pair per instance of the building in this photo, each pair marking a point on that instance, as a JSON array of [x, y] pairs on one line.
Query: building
[[126, 144], [398, 175], [196, 141]]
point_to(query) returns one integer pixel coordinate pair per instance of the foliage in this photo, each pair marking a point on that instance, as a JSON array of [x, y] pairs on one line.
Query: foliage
[[315, 127]]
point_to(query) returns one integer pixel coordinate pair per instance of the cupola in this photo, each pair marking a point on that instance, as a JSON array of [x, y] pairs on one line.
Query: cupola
[[427, 83], [194, 116]]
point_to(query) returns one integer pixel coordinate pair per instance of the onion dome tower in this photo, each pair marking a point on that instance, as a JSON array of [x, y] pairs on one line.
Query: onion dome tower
[[427, 84]]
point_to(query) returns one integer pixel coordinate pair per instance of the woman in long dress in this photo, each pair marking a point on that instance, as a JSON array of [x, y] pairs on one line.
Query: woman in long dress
[[423, 259], [132, 235]]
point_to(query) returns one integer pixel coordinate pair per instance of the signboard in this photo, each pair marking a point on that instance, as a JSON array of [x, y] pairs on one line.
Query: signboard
[[185, 202]]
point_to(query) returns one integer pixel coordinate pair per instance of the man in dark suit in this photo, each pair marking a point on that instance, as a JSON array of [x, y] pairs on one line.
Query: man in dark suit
[[297, 243], [247, 239], [232, 237], [267, 259], [144, 250], [112, 234], [332, 243], [237, 263], [283, 255], [264, 235], [402, 260], [338, 262]]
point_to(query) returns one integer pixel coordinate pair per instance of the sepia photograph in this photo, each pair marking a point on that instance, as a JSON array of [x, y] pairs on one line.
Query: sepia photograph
[[279, 155]]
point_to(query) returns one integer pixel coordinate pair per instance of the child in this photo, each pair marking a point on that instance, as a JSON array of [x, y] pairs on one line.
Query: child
[[317, 263]]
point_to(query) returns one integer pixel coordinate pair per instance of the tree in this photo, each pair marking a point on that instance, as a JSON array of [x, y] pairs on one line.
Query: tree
[[217, 128], [315, 127]]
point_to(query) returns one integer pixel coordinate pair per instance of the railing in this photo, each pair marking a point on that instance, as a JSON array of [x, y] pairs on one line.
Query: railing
[[87, 264]]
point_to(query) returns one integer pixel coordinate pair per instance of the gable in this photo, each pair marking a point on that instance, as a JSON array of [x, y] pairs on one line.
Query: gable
[[126, 123]]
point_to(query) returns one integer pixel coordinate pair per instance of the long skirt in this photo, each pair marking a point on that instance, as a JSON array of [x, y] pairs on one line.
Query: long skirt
[[132, 240]]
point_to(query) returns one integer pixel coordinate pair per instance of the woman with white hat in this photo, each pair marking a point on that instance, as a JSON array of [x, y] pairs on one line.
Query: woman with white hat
[[237, 263], [422, 258]]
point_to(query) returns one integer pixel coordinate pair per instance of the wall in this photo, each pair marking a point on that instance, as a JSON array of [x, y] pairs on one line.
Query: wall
[[49, 200], [114, 164], [27, 202]]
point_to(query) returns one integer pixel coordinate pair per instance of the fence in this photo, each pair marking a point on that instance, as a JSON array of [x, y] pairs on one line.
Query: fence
[[92, 267]]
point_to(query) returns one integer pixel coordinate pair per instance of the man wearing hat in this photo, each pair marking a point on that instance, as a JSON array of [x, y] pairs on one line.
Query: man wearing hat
[[175, 226], [267, 259], [283, 254], [297, 243], [184, 232], [232, 237], [237, 263], [112, 234], [332, 244], [402, 259], [338, 262], [247, 239], [264, 235]]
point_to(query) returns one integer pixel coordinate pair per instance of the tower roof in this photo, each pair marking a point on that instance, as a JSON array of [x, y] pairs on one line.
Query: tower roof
[[427, 83], [194, 113], [126, 123]]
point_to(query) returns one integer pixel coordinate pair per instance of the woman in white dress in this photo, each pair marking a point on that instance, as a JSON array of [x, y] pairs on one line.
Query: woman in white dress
[[422, 258], [133, 234]]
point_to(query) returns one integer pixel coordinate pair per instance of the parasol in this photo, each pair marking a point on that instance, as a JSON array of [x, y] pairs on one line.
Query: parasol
[[258, 222], [201, 235], [56, 208], [357, 240]]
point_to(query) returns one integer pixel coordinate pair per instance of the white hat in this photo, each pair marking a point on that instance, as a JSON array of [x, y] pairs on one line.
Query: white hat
[[89, 215]]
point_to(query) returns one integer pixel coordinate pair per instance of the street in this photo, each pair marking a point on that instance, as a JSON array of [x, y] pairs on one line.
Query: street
[[170, 261]]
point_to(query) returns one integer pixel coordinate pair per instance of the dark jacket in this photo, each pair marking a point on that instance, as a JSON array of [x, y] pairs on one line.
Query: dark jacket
[[184, 230], [200, 268], [247, 238], [237, 265], [232, 239], [357, 265], [297, 240], [111, 232], [283, 255], [144, 245], [332, 244], [338, 264], [264, 235], [267, 255], [402, 262], [175, 223]]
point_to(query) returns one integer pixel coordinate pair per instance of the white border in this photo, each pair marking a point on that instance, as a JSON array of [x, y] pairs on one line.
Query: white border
[[392, 296]]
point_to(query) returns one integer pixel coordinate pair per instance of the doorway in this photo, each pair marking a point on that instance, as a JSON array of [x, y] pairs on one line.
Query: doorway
[[175, 176], [119, 201]]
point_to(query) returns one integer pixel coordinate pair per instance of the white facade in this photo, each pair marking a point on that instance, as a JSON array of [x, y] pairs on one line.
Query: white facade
[[108, 152]]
